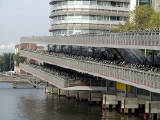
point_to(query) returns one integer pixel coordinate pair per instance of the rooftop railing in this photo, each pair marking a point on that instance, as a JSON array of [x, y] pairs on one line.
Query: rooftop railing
[[135, 40]]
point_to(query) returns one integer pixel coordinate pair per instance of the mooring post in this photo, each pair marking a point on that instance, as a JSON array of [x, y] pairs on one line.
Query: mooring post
[[14, 85]]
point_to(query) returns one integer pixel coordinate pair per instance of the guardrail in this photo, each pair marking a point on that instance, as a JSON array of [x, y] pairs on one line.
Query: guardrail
[[137, 40], [141, 79], [12, 79], [58, 81]]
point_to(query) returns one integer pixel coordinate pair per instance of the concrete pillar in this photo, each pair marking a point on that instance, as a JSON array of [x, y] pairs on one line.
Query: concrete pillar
[[141, 108], [109, 101], [89, 97], [46, 90], [51, 89], [129, 104], [72, 94], [62, 92], [158, 116], [77, 96], [95, 97], [150, 97], [153, 109], [155, 116], [67, 94], [14, 85], [83, 95], [59, 92]]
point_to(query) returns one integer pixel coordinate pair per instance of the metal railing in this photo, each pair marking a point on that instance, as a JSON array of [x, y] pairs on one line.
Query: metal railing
[[59, 81], [136, 40], [89, 6], [12, 78], [55, 80], [85, 21], [141, 79]]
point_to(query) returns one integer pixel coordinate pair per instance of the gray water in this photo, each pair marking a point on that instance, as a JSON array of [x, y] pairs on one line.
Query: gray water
[[34, 104]]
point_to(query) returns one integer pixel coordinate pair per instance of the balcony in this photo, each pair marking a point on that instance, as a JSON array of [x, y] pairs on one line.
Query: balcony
[[92, 7]]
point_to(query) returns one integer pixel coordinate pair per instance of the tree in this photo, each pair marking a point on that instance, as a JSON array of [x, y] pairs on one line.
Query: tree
[[18, 59], [6, 62], [155, 21], [141, 16], [140, 19]]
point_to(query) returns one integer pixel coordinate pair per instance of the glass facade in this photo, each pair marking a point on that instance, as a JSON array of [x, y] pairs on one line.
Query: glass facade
[[67, 18], [144, 2], [91, 2], [75, 32], [89, 17]]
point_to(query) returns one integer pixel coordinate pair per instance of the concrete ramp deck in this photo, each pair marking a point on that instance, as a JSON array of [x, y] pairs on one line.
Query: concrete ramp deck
[[138, 78], [55, 80]]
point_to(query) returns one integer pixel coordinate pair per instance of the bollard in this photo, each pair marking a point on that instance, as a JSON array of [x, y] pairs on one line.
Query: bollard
[[14, 85]]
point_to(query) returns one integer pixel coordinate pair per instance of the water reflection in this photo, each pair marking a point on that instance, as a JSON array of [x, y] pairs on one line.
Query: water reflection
[[33, 104], [53, 107], [60, 108], [114, 115]]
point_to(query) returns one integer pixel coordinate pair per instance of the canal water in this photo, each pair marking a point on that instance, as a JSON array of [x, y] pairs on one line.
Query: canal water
[[33, 104]]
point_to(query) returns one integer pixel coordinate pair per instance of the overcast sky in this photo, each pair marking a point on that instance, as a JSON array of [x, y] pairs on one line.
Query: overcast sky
[[22, 18]]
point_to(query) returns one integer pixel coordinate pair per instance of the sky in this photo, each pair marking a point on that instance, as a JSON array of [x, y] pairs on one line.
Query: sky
[[132, 4], [22, 18]]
